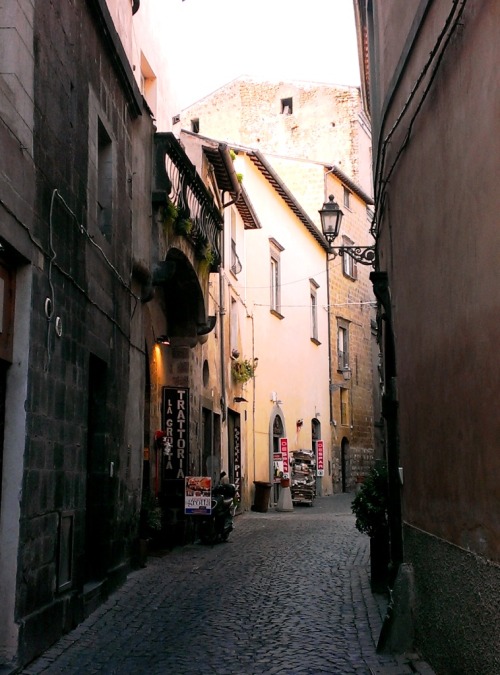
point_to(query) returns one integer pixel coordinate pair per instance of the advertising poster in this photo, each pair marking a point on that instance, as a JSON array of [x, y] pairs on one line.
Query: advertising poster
[[320, 466], [198, 495]]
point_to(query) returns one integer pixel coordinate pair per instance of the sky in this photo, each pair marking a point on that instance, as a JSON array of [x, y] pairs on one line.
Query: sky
[[219, 40]]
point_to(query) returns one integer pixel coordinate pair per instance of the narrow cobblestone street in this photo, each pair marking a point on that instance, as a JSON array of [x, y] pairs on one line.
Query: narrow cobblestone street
[[288, 594]]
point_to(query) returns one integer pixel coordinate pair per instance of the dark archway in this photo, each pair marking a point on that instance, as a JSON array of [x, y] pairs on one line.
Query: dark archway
[[184, 302]]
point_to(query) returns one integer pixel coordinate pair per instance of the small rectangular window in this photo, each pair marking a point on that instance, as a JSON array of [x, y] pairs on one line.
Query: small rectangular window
[[347, 198], [275, 284], [287, 106], [275, 276], [233, 326], [343, 346], [314, 310], [344, 407], [104, 179], [195, 125], [349, 266], [236, 265]]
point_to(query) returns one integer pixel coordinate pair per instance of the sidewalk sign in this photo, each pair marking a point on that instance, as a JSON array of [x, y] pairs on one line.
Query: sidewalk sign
[[198, 495]]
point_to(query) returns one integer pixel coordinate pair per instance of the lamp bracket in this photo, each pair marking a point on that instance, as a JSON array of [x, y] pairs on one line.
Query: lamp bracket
[[365, 255]]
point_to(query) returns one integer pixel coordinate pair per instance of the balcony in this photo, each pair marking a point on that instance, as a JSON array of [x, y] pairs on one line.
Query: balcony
[[176, 181]]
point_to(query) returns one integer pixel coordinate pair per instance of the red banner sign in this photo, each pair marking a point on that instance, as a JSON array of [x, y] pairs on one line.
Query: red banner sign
[[320, 467], [284, 456]]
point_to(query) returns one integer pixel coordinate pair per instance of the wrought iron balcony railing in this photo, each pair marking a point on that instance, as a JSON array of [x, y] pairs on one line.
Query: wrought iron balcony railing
[[176, 180]]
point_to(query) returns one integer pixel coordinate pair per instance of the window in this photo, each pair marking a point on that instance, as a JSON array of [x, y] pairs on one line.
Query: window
[[233, 326], [236, 266], [347, 198], [287, 106], [275, 277], [195, 125], [344, 406], [148, 84], [314, 310], [349, 266], [104, 179], [343, 345], [275, 284]]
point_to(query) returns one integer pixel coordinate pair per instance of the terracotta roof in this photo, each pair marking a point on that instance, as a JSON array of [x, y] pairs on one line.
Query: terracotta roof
[[270, 174], [348, 182]]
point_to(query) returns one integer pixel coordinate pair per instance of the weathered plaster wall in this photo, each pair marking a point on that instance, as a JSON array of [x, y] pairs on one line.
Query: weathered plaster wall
[[456, 601], [324, 125]]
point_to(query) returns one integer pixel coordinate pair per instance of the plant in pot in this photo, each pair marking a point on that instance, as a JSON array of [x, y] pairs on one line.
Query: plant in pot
[[243, 369], [370, 508]]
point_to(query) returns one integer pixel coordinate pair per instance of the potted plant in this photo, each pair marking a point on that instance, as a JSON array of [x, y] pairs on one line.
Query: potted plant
[[370, 508], [243, 369]]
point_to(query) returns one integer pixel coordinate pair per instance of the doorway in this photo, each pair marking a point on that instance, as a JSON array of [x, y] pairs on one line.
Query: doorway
[[278, 433], [97, 483], [211, 453], [344, 460], [234, 451], [316, 436]]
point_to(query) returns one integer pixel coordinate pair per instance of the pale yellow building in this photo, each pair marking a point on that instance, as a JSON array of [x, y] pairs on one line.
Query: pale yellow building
[[316, 139]]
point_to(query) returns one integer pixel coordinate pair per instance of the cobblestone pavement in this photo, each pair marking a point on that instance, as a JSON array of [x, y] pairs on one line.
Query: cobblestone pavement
[[289, 594]]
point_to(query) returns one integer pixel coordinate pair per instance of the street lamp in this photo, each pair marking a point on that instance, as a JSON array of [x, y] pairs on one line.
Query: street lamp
[[331, 217]]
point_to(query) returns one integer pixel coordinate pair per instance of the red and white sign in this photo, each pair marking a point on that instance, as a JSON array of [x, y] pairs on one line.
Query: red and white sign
[[284, 455], [320, 467]]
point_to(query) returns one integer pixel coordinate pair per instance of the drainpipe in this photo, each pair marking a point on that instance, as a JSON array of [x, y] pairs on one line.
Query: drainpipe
[[250, 316], [330, 367], [390, 413], [222, 312]]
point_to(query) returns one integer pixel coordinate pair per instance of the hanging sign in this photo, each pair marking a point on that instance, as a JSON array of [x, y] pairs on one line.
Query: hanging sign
[[237, 462], [175, 414], [320, 467]]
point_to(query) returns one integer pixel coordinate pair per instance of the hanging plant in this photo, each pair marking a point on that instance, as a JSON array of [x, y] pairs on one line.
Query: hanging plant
[[183, 226], [209, 255], [243, 369], [170, 213]]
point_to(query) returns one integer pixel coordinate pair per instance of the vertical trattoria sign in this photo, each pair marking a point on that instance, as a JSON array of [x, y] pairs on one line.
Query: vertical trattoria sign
[[320, 461], [175, 418], [284, 456], [237, 461]]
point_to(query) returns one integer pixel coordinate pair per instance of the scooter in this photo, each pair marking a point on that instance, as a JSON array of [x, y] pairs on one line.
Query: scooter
[[220, 523]]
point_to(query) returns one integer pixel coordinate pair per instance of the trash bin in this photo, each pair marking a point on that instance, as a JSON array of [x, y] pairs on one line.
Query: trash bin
[[262, 495]]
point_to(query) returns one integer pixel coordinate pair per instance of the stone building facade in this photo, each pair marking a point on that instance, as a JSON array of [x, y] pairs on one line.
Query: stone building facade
[[93, 278], [73, 134], [431, 84], [316, 122]]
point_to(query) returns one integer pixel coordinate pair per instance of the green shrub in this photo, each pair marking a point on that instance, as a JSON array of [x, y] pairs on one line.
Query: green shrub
[[370, 504]]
